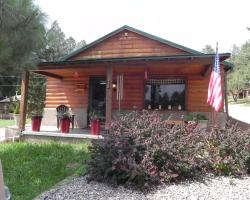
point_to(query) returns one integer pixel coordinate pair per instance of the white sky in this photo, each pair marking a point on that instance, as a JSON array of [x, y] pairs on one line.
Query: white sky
[[191, 23]]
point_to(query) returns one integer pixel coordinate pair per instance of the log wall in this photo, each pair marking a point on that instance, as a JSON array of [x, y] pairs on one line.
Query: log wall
[[128, 44], [71, 92]]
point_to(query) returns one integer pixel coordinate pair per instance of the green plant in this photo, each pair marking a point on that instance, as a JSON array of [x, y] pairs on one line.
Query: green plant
[[65, 115], [36, 96], [94, 115], [194, 117], [201, 116], [40, 166], [17, 108], [189, 117]]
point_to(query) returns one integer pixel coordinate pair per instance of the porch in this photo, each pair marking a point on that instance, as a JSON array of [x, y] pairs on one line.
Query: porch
[[52, 133]]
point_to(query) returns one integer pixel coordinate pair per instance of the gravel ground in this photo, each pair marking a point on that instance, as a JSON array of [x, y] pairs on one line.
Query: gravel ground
[[239, 112], [222, 188]]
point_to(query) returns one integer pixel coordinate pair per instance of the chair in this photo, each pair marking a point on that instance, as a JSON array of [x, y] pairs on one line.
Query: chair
[[63, 109]]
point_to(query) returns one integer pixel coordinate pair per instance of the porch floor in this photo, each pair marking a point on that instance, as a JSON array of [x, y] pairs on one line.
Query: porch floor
[[52, 131]]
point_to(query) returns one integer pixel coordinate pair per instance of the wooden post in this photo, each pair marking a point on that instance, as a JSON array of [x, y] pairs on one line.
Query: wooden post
[[109, 90], [24, 98], [2, 195], [225, 94]]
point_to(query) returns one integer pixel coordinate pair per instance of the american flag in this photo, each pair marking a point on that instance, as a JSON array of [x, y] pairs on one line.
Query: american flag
[[214, 97]]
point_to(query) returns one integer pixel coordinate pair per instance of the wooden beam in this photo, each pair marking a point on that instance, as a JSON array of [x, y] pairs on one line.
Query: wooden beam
[[109, 90], [207, 71], [24, 98], [2, 195], [49, 74]]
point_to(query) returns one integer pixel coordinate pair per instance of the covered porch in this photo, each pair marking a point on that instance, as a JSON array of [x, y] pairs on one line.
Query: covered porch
[[123, 87]]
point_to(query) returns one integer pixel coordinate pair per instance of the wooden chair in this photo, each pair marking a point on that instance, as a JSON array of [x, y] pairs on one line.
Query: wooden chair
[[63, 109]]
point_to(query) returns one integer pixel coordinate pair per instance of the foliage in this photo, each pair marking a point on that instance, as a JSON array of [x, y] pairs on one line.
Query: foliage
[[36, 95], [17, 108], [141, 149], [56, 45], [65, 115], [94, 115], [21, 35], [227, 151], [239, 78], [208, 49], [30, 169], [194, 117]]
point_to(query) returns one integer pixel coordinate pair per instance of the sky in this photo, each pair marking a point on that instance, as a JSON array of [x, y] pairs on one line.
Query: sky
[[191, 23]]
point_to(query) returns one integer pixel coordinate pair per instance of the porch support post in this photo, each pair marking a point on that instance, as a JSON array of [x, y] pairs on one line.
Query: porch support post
[[225, 93], [109, 90], [24, 98]]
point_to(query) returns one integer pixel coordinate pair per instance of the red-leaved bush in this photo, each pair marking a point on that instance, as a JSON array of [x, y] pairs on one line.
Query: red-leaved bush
[[141, 149]]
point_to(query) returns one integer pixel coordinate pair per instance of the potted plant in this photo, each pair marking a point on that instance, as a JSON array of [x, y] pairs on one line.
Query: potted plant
[[95, 125], [36, 120], [64, 122]]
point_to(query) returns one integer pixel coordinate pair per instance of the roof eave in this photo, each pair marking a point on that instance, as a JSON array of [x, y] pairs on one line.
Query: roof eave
[[131, 59]]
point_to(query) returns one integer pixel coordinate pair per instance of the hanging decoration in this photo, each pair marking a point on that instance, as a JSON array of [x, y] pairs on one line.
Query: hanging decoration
[[119, 90], [145, 74]]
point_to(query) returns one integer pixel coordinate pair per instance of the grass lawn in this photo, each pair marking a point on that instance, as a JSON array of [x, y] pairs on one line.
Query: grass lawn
[[6, 122], [10, 122], [244, 102], [30, 169]]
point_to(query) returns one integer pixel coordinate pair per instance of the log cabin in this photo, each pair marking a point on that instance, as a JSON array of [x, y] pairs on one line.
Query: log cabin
[[129, 69]]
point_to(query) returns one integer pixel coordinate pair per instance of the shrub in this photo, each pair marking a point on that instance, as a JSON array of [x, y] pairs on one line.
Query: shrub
[[141, 149], [227, 151]]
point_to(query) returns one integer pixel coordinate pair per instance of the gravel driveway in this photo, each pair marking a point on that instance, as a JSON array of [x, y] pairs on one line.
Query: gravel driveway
[[222, 188], [239, 112]]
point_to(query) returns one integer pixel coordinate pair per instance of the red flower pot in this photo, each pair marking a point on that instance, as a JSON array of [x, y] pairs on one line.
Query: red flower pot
[[64, 125], [36, 123], [95, 127]]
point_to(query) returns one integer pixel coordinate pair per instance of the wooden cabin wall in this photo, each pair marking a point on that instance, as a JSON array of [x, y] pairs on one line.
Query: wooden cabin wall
[[71, 92], [197, 94], [128, 44], [133, 93]]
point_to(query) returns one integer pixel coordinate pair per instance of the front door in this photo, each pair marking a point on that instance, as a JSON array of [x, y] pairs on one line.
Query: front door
[[97, 95]]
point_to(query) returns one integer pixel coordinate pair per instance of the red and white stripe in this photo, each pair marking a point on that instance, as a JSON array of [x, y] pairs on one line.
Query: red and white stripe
[[215, 92]]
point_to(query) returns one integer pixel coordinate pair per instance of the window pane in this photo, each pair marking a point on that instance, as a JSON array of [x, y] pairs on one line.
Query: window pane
[[168, 93]]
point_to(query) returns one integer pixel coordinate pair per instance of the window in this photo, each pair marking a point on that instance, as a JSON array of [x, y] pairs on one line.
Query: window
[[165, 94]]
